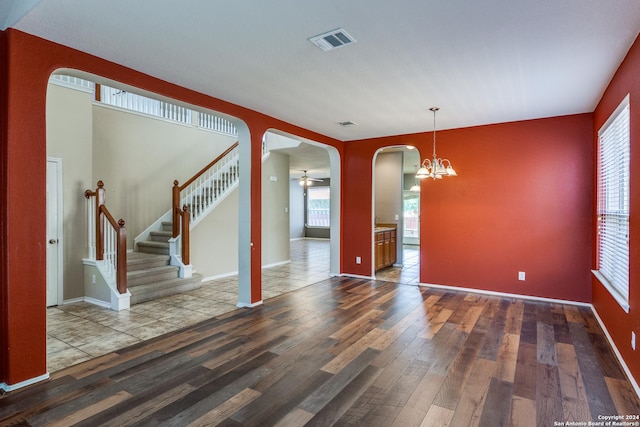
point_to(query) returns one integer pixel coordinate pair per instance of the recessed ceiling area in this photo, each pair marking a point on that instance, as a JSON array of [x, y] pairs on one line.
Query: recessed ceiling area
[[480, 62]]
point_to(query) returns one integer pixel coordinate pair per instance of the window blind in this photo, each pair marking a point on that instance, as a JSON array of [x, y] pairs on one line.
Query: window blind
[[613, 201]]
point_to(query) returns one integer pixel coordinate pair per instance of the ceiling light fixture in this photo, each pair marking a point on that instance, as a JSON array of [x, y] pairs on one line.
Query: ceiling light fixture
[[435, 168]]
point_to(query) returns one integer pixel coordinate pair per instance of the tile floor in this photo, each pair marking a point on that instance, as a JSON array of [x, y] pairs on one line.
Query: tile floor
[[82, 331], [409, 273]]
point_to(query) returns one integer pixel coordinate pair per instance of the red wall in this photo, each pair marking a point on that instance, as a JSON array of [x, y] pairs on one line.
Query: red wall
[[522, 202], [26, 64], [618, 323]]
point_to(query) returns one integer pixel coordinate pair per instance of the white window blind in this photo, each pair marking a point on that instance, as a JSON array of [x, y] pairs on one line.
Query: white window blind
[[613, 203]]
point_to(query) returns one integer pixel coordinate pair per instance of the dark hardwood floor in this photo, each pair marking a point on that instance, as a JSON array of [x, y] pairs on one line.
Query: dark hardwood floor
[[349, 352]]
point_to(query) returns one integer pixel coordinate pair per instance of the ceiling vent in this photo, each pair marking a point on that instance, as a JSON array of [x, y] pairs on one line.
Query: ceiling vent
[[333, 40], [347, 123]]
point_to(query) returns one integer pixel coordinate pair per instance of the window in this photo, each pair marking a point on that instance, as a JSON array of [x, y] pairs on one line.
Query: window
[[613, 204], [318, 207]]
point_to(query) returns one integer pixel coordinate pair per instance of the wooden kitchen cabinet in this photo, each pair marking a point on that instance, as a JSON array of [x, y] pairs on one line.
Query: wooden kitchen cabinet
[[385, 246]]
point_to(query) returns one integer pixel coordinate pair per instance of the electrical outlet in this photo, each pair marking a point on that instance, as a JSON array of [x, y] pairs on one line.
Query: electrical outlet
[[521, 275], [93, 279], [358, 260], [633, 340]]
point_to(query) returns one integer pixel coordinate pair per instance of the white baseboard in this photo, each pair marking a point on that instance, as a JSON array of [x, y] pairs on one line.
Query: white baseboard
[[505, 294], [11, 387], [276, 264], [357, 276], [246, 305], [632, 380], [220, 276]]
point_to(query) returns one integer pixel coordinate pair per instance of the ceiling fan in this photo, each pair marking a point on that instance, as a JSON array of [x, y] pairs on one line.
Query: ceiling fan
[[306, 180]]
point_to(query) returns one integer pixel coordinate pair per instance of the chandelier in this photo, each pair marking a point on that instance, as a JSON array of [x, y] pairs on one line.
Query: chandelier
[[435, 168]]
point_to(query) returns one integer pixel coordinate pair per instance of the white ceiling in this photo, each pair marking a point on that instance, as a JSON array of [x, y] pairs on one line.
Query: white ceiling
[[480, 61]]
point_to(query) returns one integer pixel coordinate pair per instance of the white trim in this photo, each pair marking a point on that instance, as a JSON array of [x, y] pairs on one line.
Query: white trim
[[505, 294], [630, 377], [246, 305], [624, 303], [138, 113], [97, 302], [220, 276], [276, 264], [293, 239], [7, 387], [73, 300], [70, 85], [356, 276]]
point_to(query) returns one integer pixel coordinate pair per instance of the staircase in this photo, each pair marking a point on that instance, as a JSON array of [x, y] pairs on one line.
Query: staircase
[[149, 274]]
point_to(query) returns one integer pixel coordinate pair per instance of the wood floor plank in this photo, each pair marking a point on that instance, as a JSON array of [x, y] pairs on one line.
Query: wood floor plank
[[349, 351], [523, 412], [437, 416], [336, 407], [525, 376], [497, 407], [86, 412], [623, 396], [449, 394], [472, 400], [548, 396], [218, 414], [507, 358], [600, 401], [575, 406]]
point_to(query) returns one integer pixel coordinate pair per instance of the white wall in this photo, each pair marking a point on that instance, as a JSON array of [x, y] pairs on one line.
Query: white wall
[[275, 209], [69, 136]]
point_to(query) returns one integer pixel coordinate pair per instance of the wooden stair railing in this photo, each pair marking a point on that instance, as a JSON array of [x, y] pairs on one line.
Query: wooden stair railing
[[102, 238], [181, 216]]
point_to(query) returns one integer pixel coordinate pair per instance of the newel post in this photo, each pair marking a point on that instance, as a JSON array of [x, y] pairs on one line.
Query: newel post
[[175, 209], [121, 249], [100, 199], [185, 235]]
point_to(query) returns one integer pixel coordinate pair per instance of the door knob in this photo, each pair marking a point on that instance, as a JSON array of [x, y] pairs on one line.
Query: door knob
[[53, 241]]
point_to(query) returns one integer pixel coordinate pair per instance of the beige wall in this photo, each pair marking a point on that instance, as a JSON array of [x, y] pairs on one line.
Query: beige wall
[[214, 241], [388, 187], [275, 209], [139, 157], [69, 136]]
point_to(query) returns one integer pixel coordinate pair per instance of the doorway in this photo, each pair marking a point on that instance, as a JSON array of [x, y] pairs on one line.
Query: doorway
[[54, 232], [396, 205]]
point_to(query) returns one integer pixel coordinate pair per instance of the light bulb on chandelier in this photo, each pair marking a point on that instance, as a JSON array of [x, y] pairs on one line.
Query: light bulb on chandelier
[[435, 168]]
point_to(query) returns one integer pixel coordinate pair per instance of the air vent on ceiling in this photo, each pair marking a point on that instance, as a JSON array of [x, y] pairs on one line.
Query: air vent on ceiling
[[333, 39], [347, 123]]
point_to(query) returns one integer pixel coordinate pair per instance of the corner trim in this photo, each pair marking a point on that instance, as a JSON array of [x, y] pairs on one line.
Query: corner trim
[[8, 388], [246, 305]]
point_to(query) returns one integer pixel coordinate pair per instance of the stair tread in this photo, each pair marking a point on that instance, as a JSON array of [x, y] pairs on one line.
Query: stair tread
[[140, 257], [153, 270], [154, 243], [164, 284], [161, 233]]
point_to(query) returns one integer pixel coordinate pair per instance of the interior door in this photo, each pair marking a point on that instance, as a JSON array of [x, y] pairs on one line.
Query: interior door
[[54, 252]]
